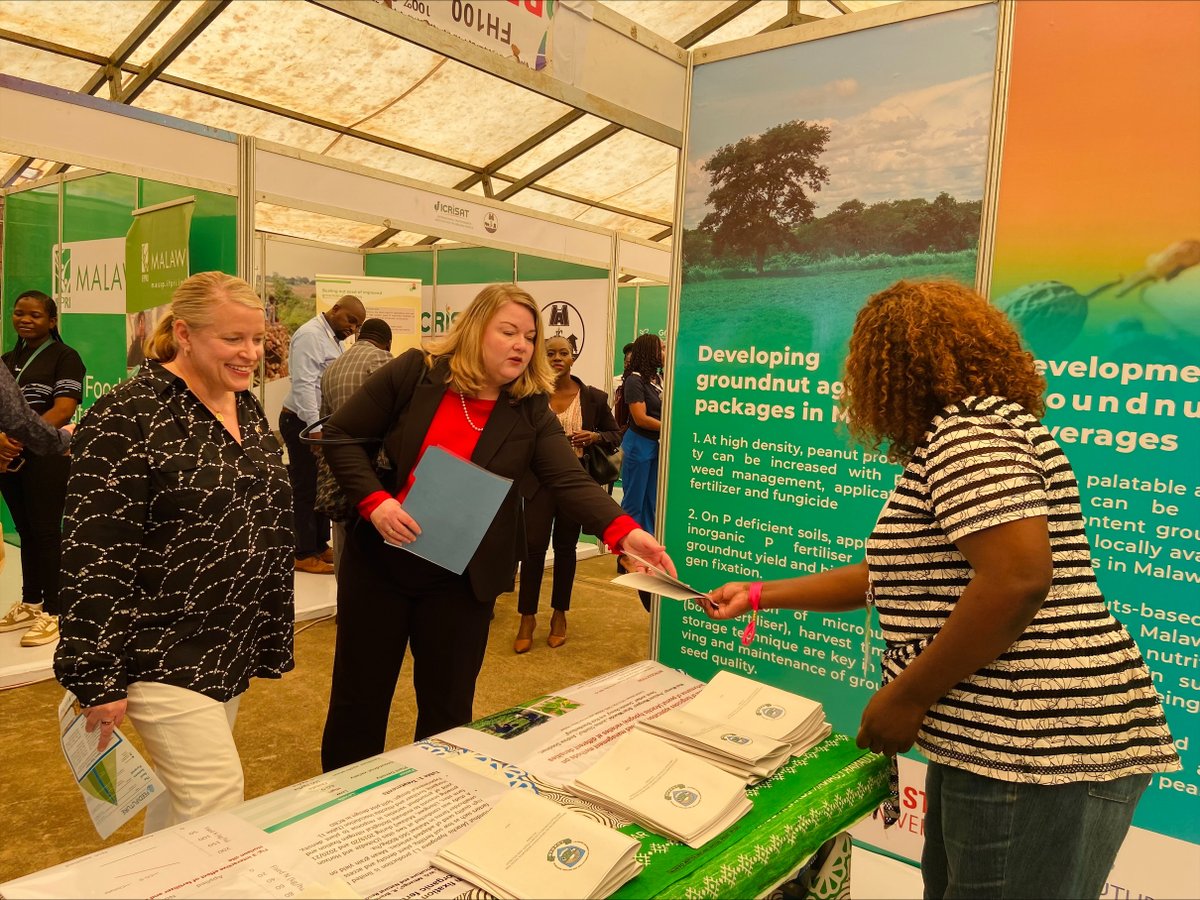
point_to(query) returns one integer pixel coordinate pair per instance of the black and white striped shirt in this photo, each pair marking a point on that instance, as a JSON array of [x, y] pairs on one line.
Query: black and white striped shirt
[[1071, 699]]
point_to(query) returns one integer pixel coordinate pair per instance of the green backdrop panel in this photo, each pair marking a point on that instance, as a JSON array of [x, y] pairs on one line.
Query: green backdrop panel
[[401, 265], [625, 328], [474, 265], [30, 233], [94, 209], [98, 207], [538, 268], [99, 338], [652, 309]]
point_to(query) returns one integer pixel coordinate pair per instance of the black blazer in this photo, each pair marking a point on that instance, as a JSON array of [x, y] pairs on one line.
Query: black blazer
[[597, 415], [522, 441]]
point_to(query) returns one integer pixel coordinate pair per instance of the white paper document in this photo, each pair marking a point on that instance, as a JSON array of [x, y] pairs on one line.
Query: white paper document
[[213, 856], [381, 840], [665, 789], [656, 581], [560, 735], [115, 782], [530, 848]]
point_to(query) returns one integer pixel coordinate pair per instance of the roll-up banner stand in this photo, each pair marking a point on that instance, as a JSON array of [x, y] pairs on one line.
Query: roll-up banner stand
[[396, 301], [817, 171], [1098, 263], [156, 263], [890, 142]]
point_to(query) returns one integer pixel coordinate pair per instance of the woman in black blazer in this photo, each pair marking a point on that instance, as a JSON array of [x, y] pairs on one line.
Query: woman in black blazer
[[585, 418], [480, 393]]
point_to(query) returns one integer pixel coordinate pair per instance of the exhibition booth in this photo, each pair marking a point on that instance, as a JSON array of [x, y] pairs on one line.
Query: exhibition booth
[[931, 139], [79, 237]]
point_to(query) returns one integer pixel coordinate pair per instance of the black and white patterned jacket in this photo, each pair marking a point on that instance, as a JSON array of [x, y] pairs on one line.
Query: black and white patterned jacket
[[177, 547]]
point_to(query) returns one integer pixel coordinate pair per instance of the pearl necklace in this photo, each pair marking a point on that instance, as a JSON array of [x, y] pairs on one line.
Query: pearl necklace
[[463, 400]]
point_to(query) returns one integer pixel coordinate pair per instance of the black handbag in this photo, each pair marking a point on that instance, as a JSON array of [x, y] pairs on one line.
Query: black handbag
[[330, 501], [604, 467]]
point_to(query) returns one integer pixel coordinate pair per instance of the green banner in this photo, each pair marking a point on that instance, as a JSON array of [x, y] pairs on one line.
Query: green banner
[[796, 217], [1107, 297], [156, 255]]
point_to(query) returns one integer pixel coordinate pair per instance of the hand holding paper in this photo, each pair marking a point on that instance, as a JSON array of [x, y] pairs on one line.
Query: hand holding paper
[[394, 524], [656, 580], [641, 547], [454, 501], [107, 718]]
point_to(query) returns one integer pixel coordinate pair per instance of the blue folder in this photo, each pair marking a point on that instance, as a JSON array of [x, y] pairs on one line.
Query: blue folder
[[454, 501]]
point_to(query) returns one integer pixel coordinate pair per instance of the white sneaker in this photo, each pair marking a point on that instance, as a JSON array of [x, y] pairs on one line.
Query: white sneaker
[[23, 615], [43, 631]]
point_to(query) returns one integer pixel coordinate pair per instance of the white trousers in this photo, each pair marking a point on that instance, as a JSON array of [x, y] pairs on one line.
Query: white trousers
[[190, 741]]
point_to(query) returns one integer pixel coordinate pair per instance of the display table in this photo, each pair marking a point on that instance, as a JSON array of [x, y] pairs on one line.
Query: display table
[[370, 829]]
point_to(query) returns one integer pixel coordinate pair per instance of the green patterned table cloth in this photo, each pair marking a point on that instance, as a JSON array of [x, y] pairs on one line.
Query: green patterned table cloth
[[811, 799]]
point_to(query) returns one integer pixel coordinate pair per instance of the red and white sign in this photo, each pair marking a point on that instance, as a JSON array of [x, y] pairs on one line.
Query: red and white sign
[[517, 29]]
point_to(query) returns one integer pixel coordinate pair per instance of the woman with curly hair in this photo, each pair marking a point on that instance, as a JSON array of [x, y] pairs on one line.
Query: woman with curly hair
[[1003, 664]]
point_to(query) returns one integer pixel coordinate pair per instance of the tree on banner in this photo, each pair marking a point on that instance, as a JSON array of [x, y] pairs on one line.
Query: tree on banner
[[761, 188]]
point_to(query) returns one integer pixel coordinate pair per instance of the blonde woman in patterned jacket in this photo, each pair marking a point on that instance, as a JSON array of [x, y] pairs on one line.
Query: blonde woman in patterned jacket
[[1003, 663], [177, 551]]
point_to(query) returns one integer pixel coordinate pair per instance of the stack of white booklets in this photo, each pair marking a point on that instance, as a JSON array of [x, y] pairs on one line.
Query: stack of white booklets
[[752, 757], [668, 790], [742, 726], [530, 848]]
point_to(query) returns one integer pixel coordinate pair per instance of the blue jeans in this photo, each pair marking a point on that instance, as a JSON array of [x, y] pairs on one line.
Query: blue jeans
[[639, 478], [990, 838]]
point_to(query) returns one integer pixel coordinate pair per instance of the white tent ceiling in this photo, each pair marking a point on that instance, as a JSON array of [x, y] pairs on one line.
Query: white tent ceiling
[[318, 77]]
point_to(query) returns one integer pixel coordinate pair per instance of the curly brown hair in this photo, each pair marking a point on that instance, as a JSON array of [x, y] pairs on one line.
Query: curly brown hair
[[919, 346]]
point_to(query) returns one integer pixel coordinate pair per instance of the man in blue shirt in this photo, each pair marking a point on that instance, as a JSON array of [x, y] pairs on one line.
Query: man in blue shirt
[[316, 344]]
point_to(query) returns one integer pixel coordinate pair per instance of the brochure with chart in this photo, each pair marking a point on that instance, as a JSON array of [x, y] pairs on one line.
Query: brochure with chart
[[668, 790], [742, 703], [529, 848], [750, 756], [115, 782]]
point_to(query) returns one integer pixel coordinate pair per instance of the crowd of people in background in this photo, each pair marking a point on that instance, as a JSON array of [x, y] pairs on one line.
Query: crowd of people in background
[[182, 531]]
